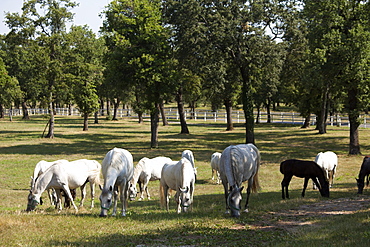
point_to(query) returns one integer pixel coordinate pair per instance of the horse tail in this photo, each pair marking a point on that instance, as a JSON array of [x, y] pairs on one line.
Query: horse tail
[[256, 185], [162, 195]]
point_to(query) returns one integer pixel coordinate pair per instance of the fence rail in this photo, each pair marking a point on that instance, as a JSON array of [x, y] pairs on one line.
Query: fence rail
[[206, 115]]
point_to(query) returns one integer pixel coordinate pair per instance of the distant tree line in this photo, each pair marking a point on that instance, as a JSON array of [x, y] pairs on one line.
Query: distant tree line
[[311, 54]]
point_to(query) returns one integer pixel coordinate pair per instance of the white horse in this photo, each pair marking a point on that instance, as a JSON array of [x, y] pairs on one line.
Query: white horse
[[118, 169], [40, 168], [146, 170], [178, 176], [66, 176], [190, 156], [238, 164], [215, 166], [328, 162]]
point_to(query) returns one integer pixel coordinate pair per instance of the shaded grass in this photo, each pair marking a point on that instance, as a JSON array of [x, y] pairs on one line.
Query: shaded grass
[[147, 224]]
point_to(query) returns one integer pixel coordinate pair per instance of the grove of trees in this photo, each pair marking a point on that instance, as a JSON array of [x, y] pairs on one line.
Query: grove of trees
[[311, 54]]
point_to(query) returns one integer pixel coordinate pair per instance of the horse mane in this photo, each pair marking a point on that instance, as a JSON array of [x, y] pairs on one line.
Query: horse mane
[[114, 159], [138, 169], [186, 171]]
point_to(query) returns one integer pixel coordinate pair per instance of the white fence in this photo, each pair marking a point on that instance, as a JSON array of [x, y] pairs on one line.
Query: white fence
[[207, 116]]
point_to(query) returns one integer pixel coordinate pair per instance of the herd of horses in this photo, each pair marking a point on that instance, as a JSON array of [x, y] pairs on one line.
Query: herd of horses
[[235, 165]]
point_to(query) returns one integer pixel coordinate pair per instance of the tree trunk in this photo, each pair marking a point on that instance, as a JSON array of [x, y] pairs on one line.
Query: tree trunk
[[307, 120], [26, 116], [116, 105], [86, 125], [228, 106], [1, 111], [247, 106], [154, 120], [163, 114], [258, 113], [321, 124], [140, 117], [268, 109], [353, 115], [108, 108], [180, 108], [96, 118], [51, 121]]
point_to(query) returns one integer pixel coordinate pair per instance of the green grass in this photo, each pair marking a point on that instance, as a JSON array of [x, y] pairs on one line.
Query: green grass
[[146, 224]]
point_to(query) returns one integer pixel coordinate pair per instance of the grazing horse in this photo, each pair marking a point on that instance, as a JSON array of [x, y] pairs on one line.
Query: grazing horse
[[239, 163], [146, 170], [364, 172], [328, 162], [66, 176], [178, 176], [215, 166], [190, 156], [118, 169], [303, 169], [40, 168]]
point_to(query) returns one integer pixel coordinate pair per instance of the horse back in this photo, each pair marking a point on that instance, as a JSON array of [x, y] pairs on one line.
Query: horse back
[[301, 168], [239, 163], [365, 166]]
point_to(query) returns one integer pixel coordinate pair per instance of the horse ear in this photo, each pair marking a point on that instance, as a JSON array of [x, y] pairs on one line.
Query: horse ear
[[100, 187], [241, 188]]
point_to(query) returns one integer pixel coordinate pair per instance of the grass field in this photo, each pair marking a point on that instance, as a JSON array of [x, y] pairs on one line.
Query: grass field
[[146, 224]]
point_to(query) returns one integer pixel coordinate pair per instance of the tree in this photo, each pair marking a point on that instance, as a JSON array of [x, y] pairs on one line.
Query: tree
[[340, 38], [9, 88], [42, 27], [134, 28], [84, 69]]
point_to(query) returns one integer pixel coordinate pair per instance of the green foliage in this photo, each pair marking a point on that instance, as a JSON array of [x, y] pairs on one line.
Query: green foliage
[[9, 87]]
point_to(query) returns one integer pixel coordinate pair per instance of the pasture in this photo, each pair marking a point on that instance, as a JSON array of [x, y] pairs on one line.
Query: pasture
[[341, 220]]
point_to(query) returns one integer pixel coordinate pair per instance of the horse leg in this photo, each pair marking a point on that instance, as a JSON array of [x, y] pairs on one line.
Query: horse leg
[[167, 198], [250, 182], [177, 198], [68, 192], [285, 185], [92, 189], [52, 196], [83, 194], [147, 191], [123, 198], [226, 193], [141, 190], [145, 188], [58, 204], [115, 195], [305, 185]]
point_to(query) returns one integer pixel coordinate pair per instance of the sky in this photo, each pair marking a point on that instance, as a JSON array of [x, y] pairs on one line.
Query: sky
[[87, 13]]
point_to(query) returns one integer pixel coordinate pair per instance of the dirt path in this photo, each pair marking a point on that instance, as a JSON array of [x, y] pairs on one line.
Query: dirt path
[[303, 215]]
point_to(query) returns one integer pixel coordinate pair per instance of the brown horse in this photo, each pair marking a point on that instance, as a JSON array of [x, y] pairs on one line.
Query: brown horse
[[364, 172], [303, 169]]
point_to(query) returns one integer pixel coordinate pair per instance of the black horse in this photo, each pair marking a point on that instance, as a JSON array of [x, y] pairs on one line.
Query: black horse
[[303, 169], [364, 172]]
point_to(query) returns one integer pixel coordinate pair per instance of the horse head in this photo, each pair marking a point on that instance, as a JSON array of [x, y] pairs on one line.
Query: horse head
[[132, 192], [360, 185], [184, 198], [234, 199], [324, 190], [106, 199], [33, 201]]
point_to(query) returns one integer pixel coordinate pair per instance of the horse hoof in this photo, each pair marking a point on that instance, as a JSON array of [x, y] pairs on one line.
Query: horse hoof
[[246, 211]]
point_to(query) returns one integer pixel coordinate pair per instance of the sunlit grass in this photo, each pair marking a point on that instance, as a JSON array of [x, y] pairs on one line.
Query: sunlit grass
[[21, 147]]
